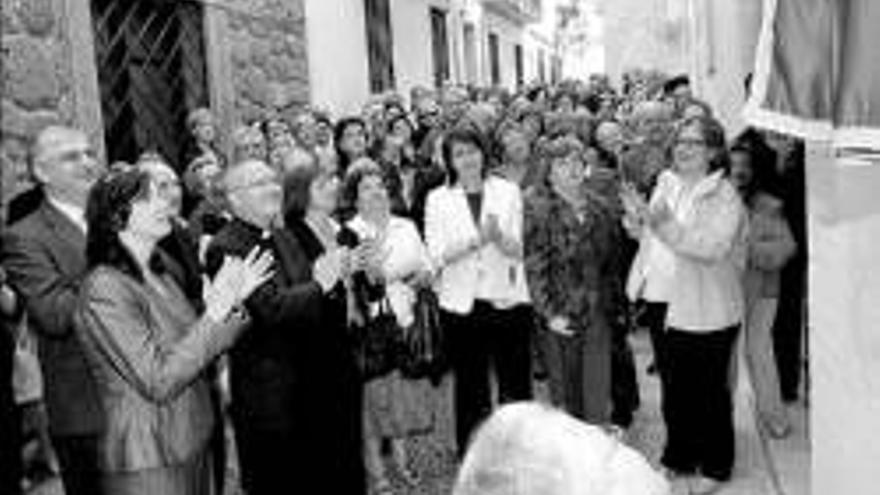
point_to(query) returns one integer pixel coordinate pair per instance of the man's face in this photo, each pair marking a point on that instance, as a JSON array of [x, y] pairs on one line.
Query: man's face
[[255, 193], [66, 164]]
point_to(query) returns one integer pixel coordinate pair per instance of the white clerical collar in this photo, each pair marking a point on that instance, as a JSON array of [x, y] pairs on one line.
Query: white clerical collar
[[74, 213]]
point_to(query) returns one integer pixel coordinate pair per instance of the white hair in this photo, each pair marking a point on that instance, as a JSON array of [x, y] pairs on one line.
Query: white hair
[[532, 449]]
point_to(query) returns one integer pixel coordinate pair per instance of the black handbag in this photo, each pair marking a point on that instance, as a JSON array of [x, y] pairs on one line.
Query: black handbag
[[377, 343], [423, 347]]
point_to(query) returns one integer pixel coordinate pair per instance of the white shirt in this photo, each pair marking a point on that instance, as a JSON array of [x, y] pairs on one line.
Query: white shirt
[[74, 213]]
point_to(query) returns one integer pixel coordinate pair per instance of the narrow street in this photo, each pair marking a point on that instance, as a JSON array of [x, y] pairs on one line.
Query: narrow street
[[764, 466]]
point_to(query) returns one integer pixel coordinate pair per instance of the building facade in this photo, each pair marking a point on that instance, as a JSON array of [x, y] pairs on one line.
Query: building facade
[[361, 47]]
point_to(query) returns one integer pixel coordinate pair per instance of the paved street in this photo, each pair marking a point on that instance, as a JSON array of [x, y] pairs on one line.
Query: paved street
[[764, 466]]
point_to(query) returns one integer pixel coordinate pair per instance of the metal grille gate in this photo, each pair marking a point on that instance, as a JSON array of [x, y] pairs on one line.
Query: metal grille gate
[[151, 71]]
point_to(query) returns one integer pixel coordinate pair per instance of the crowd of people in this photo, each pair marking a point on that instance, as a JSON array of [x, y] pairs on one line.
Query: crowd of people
[[540, 228]]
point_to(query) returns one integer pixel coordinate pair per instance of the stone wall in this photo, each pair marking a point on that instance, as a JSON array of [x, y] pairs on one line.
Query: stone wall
[[35, 87], [257, 58]]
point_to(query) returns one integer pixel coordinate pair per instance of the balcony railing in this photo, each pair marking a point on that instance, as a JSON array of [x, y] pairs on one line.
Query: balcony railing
[[524, 10]]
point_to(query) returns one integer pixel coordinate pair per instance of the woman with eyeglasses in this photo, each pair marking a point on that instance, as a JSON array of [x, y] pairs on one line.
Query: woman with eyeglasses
[[698, 216], [570, 239]]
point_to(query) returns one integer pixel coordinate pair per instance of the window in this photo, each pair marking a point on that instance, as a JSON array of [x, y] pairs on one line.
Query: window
[[151, 72], [439, 46], [494, 62], [470, 53], [380, 46], [542, 68], [518, 63]]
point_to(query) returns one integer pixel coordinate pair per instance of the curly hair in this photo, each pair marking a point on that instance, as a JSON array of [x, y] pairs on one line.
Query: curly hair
[[107, 213]]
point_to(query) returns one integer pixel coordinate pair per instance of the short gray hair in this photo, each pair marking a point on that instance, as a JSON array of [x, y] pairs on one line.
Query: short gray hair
[[529, 448]]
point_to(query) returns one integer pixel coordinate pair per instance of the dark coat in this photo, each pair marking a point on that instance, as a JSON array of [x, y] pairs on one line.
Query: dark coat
[[264, 374], [44, 255]]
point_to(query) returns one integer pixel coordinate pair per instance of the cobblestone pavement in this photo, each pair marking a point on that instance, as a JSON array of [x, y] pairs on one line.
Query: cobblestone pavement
[[764, 466]]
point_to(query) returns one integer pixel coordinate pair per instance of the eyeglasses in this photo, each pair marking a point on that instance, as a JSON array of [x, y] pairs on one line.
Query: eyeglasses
[[690, 142], [262, 182]]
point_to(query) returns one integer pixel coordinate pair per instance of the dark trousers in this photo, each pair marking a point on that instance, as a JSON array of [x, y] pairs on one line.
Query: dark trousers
[[698, 402], [487, 339], [10, 420], [788, 329], [265, 460], [580, 373], [654, 317], [624, 383], [78, 458]]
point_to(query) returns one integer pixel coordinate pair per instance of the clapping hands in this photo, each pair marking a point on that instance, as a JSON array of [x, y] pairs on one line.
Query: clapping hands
[[236, 280]]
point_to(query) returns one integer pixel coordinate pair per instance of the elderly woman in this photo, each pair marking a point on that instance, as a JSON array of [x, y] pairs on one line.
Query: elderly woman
[[147, 348], [530, 449], [473, 229], [395, 407], [569, 241], [696, 213], [202, 138], [248, 141]]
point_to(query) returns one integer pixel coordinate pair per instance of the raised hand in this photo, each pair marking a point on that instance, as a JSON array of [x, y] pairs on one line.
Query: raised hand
[[328, 269], [255, 270]]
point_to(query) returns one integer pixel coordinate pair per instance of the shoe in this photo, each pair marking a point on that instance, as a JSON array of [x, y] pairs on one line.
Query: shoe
[[778, 431], [702, 485], [382, 486]]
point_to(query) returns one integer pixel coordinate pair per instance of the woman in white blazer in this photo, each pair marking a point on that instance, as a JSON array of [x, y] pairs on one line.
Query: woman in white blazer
[[473, 230], [699, 217]]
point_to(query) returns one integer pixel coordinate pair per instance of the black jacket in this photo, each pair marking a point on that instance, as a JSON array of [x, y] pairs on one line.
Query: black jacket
[[265, 379]]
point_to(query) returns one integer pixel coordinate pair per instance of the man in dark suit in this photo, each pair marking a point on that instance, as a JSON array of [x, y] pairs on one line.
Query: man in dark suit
[[271, 422], [44, 255], [10, 421]]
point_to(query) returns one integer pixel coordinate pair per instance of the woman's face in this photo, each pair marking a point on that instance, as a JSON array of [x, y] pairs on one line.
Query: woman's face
[[467, 160], [740, 169], [564, 104], [150, 217], [401, 133], [354, 140], [592, 158], [307, 130], [204, 131], [567, 172], [323, 133], [532, 126], [324, 192], [690, 153], [372, 196], [610, 136], [166, 183], [516, 146], [278, 133], [208, 173]]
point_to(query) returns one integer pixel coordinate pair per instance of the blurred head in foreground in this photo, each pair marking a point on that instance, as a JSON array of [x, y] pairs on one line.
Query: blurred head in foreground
[[528, 448]]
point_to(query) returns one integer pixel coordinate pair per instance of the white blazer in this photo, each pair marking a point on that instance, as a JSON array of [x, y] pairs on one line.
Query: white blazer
[[486, 274]]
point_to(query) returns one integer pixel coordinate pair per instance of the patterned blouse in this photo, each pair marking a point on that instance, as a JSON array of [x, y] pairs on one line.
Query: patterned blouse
[[570, 258]]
